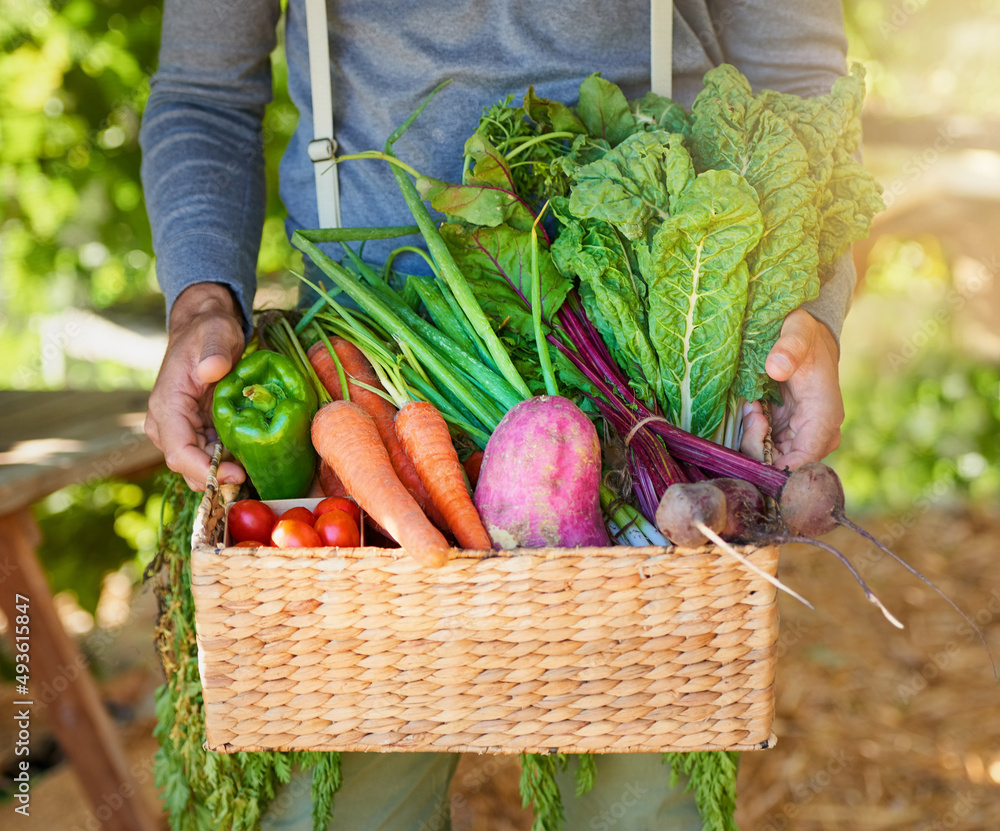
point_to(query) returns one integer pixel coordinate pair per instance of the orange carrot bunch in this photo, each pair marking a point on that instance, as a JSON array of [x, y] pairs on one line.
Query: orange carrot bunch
[[345, 436], [360, 374], [401, 466]]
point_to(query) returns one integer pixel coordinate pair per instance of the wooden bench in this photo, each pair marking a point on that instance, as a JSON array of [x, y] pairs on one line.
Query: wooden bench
[[49, 440]]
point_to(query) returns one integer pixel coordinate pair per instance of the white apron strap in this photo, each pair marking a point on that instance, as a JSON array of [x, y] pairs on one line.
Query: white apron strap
[[323, 147], [661, 36]]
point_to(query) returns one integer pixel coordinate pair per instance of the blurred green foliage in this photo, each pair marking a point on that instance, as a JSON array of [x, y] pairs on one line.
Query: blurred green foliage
[[923, 409], [75, 524], [74, 78], [73, 81]]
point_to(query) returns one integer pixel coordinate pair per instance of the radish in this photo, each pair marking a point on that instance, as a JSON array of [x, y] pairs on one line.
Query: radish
[[539, 483], [746, 520]]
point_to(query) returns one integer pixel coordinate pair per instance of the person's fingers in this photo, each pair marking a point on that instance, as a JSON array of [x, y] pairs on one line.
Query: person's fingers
[[811, 445], [206, 339], [221, 348], [212, 368], [807, 427], [792, 347], [755, 429]]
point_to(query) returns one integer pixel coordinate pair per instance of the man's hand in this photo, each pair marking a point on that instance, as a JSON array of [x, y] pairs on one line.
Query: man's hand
[[806, 427], [204, 342]]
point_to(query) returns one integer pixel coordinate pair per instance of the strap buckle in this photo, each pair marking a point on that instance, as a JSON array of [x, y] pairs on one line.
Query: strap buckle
[[322, 149]]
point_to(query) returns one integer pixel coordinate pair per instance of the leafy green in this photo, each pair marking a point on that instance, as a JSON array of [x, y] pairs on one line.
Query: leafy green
[[656, 112], [552, 115], [489, 238], [697, 275], [604, 110], [632, 186], [733, 130], [486, 196], [613, 293], [497, 264], [539, 789]]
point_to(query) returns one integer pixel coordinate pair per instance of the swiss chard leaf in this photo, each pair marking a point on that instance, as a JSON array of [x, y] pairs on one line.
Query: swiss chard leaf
[[604, 110], [486, 197], [733, 130], [829, 126], [613, 295], [496, 263], [632, 185], [656, 112], [696, 271]]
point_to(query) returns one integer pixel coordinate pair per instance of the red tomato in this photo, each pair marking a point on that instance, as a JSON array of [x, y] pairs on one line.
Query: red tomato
[[339, 503], [250, 519], [338, 528], [293, 533], [300, 513], [251, 544]]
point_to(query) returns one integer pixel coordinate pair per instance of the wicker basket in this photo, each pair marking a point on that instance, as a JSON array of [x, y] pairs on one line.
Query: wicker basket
[[571, 650]]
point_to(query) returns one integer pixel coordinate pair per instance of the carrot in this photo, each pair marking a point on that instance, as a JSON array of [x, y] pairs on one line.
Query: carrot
[[425, 437], [358, 369], [329, 481], [472, 464], [331, 485], [346, 438]]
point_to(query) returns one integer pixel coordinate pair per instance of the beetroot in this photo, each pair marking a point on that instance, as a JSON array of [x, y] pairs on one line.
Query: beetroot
[[539, 483], [687, 508], [745, 510]]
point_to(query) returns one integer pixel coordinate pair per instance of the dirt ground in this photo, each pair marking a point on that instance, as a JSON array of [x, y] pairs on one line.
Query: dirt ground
[[877, 728]]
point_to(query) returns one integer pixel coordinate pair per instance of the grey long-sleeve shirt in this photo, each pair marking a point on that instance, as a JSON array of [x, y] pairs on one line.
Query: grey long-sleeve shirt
[[203, 168]]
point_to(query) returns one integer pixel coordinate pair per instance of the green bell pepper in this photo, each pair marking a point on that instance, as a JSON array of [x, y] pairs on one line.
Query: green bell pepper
[[262, 411]]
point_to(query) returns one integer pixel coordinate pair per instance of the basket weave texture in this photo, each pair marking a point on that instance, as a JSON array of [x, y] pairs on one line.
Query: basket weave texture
[[576, 650]]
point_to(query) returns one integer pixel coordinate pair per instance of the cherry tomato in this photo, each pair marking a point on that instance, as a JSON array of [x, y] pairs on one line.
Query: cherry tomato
[[250, 519], [339, 503], [293, 533], [300, 513], [338, 528]]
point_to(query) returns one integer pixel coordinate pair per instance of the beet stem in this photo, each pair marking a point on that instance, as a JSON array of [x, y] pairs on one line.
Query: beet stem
[[843, 519], [732, 552]]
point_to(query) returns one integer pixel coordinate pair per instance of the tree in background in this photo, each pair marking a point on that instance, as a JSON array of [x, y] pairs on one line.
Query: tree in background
[[74, 78]]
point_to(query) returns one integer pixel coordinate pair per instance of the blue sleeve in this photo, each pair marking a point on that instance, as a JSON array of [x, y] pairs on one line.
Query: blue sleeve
[[201, 138]]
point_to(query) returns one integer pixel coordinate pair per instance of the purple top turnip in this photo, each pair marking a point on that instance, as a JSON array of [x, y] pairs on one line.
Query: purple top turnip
[[539, 483]]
